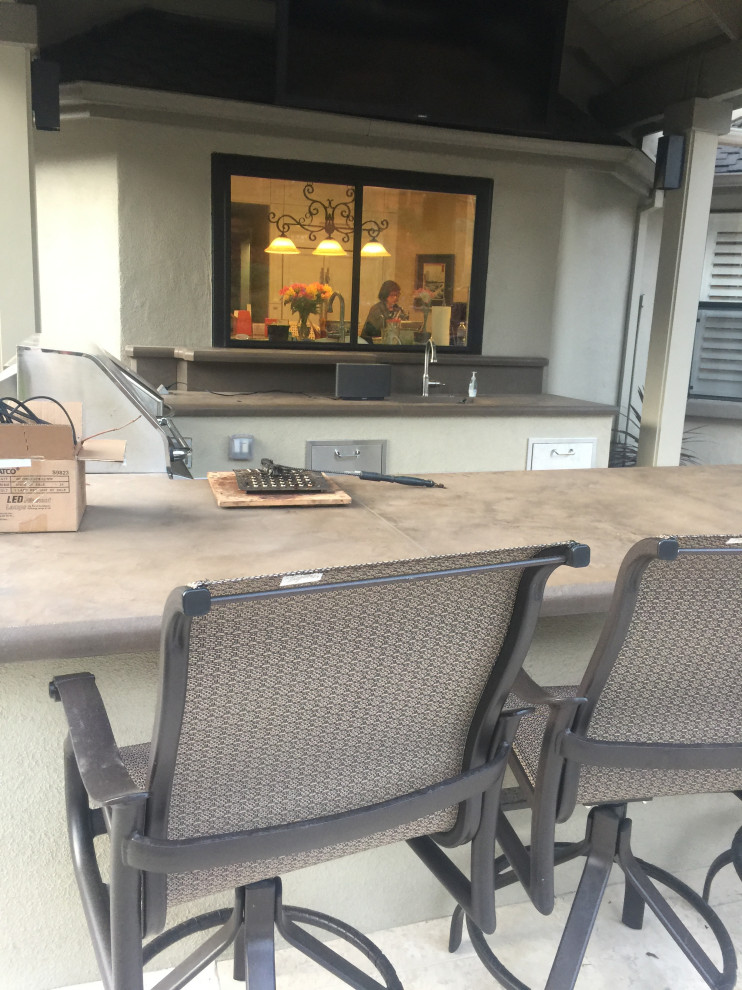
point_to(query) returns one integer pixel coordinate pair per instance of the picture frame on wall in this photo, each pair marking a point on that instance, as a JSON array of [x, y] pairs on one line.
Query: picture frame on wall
[[434, 272]]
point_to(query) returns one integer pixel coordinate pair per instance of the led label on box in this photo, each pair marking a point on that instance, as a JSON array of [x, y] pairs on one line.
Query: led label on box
[[35, 484]]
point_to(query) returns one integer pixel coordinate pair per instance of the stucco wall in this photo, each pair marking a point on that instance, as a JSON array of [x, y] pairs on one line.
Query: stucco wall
[[77, 190], [592, 283], [713, 431], [558, 263], [415, 445]]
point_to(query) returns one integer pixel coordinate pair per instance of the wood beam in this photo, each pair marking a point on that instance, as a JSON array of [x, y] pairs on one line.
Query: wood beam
[[710, 74], [728, 15]]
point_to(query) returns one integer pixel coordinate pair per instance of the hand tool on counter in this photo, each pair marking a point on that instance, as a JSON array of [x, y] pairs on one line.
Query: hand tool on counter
[[268, 466]]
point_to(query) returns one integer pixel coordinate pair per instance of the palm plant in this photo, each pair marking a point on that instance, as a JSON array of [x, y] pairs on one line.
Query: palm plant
[[625, 442]]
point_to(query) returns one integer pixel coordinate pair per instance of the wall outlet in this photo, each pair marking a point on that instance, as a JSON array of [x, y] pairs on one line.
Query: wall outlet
[[240, 447]]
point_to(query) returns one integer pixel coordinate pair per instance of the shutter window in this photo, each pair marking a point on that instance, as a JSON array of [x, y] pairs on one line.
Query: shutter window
[[716, 371], [722, 270]]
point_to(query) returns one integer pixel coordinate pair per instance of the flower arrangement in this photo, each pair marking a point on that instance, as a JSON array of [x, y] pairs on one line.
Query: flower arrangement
[[304, 298], [422, 299]]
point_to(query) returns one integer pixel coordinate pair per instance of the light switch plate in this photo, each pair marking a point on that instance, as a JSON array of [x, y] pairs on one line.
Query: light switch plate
[[240, 447]]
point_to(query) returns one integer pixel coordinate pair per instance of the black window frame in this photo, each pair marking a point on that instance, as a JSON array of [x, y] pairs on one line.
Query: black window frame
[[224, 166]]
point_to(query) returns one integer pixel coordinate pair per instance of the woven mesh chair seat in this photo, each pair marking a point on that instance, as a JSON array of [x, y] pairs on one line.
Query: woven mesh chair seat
[[184, 887]]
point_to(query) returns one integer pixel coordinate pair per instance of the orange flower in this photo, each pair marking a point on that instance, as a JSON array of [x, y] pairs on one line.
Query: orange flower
[[304, 298]]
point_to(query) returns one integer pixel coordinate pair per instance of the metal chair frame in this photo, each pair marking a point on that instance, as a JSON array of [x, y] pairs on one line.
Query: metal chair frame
[[133, 905], [565, 749], [732, 855]]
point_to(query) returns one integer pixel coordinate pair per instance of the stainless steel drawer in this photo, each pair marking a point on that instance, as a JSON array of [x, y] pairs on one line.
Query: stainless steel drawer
[[346, 455]]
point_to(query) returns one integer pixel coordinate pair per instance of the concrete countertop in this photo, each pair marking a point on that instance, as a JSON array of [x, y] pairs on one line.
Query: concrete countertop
[[264, 353], [185, 403], [101, 590]]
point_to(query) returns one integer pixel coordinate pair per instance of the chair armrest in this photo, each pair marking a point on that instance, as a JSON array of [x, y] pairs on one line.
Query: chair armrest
[[102, 770], [533, 694]]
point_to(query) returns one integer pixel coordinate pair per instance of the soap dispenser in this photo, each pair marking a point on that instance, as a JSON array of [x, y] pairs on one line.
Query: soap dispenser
[[473, 385]]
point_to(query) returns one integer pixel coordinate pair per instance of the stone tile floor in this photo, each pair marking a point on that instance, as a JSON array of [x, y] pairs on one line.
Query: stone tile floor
[[617, 957]]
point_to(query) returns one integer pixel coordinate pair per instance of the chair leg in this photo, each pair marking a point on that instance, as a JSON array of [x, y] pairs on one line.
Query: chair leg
[[238, 963], [641, 875], [732, 855], [457, 928], [633, 907], [604, 828], [490, 961], [264, 909], [724, 859], [93, 892], [288, 920], [563, 853], [260, 916], [126, 922], [607, 842]]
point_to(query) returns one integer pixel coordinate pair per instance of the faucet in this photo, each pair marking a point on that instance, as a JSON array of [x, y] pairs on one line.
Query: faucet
[[431, 357], [331, 300]]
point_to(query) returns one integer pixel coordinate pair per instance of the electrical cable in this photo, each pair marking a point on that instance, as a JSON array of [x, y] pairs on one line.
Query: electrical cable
[[114, 429], [8, 415]]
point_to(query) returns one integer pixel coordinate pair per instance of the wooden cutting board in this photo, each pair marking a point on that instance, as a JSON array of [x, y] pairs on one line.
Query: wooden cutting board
[[229, 496]]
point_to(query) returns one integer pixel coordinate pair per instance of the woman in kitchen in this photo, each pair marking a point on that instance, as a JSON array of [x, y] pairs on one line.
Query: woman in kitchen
[[382, 312]]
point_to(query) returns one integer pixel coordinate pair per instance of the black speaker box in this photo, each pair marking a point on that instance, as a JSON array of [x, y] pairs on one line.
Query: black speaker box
[[668, 169], [363, 381], [45, 94]]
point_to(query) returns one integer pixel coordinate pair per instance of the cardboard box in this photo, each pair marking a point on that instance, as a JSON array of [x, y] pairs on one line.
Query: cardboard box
[[42, 470]]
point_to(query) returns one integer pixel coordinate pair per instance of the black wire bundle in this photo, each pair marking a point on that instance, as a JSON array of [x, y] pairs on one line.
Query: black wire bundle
[[14, 411]]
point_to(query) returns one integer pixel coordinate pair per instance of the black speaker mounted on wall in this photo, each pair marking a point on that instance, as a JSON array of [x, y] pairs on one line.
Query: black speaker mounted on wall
[[668, 168], [45, 94]]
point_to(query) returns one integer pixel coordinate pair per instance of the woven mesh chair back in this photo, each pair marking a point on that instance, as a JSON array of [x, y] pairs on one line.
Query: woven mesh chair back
[[678, 675], [313, 704]]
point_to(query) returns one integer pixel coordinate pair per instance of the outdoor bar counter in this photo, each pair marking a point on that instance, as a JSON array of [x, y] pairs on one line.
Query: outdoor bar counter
[[98, 594], [101, 590]]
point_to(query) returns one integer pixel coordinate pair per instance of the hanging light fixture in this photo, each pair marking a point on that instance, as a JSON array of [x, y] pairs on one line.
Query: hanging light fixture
[[374, 248], [330, 248], [328, 218], [282, 245]]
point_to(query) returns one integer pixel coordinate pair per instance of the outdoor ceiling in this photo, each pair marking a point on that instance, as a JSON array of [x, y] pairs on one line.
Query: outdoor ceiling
[[624, 60]]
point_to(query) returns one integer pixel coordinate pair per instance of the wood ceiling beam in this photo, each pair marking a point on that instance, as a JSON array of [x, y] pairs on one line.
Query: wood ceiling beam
[[714, 73], [728, 15]]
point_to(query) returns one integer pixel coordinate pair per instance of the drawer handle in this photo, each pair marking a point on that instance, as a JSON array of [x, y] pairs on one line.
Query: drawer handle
[[347, 457], [558, 453]]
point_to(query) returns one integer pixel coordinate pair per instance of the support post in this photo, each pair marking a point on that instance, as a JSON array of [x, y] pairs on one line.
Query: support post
[[679, 274], [18, 267]]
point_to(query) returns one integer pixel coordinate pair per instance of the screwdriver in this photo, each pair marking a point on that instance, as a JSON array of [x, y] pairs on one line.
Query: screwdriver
[[274, 470], [397, 479]]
